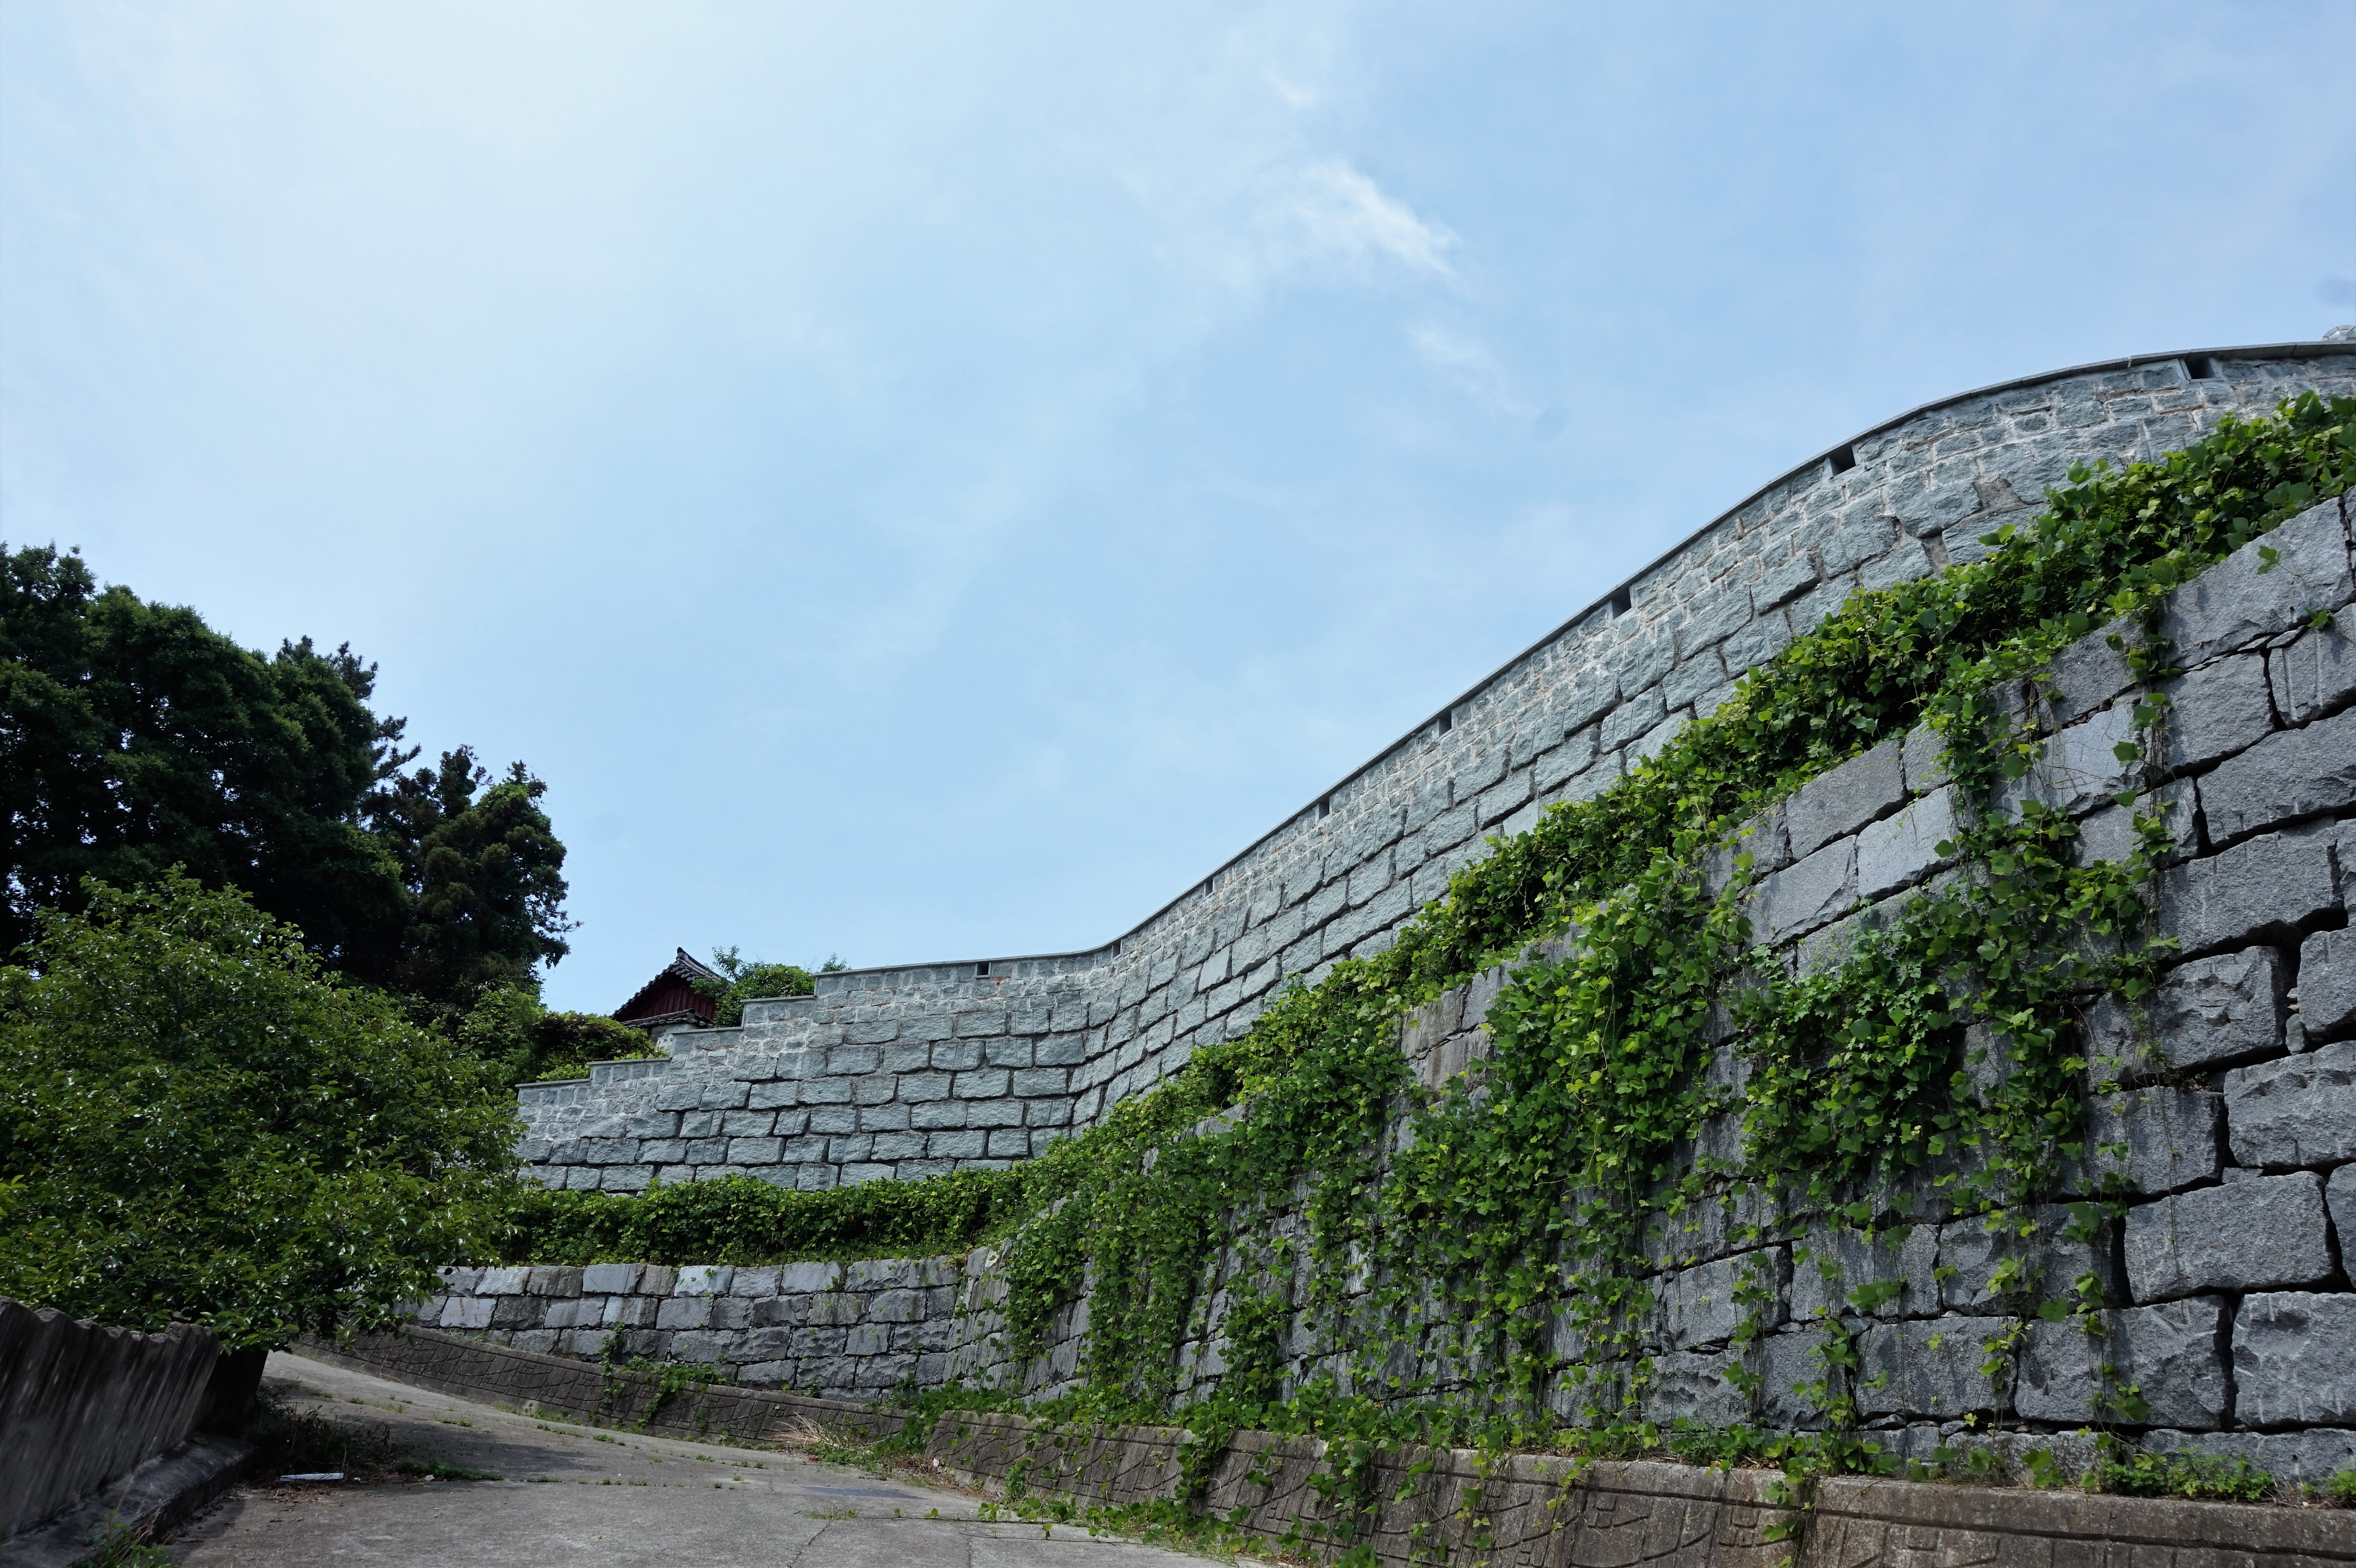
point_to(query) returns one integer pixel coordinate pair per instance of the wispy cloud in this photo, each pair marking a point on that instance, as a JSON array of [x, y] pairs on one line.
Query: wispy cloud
[[1331, 211]]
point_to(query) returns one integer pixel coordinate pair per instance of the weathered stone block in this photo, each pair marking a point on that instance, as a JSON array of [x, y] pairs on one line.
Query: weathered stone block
[[2209, 1013], [1928, 1369], [468, 1312], [2340, 1197], [2300, 1110], [2291, 774], [1695, 1387], [2326, 985], [2148, 1142], [2014, 1259], [2170, 1354], [703, 1279], [2293, 1459], [1706, 1304], [2089, 673], [1923, 752], [1901, 850], [2261, 1234], [2217, 710], [2080, 767], [502, 1282], [2265, 886], [2295, 1359], [2242, 600], [1835, 804], [684, 1312], [2316, 673], [1833, 1266], [1800, 898]]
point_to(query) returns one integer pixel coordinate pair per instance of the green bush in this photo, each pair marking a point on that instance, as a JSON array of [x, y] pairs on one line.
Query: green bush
[[743, 1219], [526, 1043], [2136, 1474], [199, 1124]]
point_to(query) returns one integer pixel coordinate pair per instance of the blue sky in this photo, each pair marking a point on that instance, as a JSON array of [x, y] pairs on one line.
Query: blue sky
[[932, 482]]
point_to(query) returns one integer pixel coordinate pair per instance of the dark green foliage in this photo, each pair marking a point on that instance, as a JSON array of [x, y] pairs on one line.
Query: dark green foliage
[[526, 1043], [2136, 1474], [485, 874], [750, 979], [198, 1124], [134, 738], [743, 1219]]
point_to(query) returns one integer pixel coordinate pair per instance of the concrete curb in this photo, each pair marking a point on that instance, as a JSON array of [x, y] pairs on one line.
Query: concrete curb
[[165, 1491]]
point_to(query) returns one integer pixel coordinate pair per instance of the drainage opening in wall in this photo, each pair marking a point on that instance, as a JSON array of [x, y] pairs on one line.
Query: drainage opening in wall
[[1325, 808], [982, 971], [1622, 600], [1842, 459], [2199, 367]]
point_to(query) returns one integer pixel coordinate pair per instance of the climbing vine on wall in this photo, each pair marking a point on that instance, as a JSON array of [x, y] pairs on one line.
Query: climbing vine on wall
[[1501, 1245]]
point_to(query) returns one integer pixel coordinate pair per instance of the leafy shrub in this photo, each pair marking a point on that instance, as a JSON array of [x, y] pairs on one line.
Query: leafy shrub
[[743, 1219], [748, 979], [2136, 1474], [199, 1124], [508, 1028], [2340, 1490]]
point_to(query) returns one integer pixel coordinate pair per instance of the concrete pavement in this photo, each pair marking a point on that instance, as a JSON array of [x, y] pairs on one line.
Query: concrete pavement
[[576, 1496]]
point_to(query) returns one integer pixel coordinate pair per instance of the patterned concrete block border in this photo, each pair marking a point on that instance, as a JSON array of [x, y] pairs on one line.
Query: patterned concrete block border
[[1449, 1504]]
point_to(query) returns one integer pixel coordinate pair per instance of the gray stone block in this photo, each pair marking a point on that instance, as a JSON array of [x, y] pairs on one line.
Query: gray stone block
[[2217, 710], [2298, 1110], [2340, 1197], [1928, 1369], [1695, 1387], [2089, 673], [2212, 1012], [2171, 1356], [2080, 767], [703, 1279], [1835, 804], [610, 1279], [1922, 750], [2014, 1259], [2326, 985], [2288, 775], [2295, 1359], [502, 1282], [684, 1312], [2267, 1233], [2263, 887], [1898, 851], [1832, 1265], [1705, 1305], [2316, 673], [2293, 1459], [2148, 1142], [1800, 898], [2241, 601]]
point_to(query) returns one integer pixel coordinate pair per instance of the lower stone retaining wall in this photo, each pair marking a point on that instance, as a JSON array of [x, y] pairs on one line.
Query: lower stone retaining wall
[[1437, 1504]]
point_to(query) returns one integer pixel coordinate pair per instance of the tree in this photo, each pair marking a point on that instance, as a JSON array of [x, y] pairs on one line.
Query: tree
[[747, 979], [200, 1123], [134, 737], [525, 1043], [484, 874]]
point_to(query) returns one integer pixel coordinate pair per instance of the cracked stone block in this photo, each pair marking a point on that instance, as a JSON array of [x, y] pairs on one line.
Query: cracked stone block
[[2290, 774], [2218, 709], [2265, 1234], [2263, 886], [2080, 767], [1835, 804], [2318, 672], [2212, 1012], [2148, 1142], [1703, 1305], [2326, 985], [1901, 850], [2300, 1110], [1928, 1369], [1801, 897], [2031, 1253], [2170, 1355], [2242, 600], [2295, 1359], [1840, 1262]]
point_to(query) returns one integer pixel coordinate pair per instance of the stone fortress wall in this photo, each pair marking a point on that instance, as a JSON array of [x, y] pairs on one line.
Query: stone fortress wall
[[912, 1071], [2222, 1118]]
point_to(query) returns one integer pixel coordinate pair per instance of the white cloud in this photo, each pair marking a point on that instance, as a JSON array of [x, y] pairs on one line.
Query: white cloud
[[1328, 211], [1467, 363]]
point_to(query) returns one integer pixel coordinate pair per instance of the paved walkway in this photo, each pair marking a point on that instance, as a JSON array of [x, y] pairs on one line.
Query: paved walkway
[[579, 1498]]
